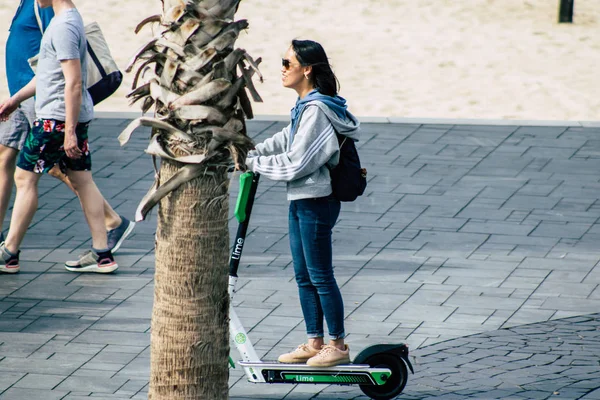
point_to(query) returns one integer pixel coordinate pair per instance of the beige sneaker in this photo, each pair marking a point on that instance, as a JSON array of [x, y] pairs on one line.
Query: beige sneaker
[[330, 356], [300, 355]]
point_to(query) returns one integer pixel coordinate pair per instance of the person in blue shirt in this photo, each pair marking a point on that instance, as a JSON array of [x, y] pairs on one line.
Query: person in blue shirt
[[23, 42]]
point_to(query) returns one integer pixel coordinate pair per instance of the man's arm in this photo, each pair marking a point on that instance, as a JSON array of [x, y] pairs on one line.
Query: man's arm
[[73, 89], [8, 106]]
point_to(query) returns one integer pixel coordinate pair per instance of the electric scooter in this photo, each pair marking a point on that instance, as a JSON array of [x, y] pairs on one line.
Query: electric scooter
[[379, 370]]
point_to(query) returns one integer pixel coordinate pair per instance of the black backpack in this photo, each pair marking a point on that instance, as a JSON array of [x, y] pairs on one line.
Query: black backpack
[[348, 179]]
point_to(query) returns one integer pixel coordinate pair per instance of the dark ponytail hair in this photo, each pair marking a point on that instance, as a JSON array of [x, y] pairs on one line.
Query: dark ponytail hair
[[310, 53]]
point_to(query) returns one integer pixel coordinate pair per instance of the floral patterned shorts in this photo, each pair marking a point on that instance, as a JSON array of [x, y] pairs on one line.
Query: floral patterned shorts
[[44, 148]]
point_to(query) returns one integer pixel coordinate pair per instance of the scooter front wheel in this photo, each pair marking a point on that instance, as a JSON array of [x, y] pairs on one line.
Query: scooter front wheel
[[396, 382]]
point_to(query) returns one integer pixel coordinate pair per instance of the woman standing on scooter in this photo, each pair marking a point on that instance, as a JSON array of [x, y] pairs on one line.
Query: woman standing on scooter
[[301, 155]]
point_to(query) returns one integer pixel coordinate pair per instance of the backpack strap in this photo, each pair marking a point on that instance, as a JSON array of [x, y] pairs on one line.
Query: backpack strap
[[37, 16], [340, 144]]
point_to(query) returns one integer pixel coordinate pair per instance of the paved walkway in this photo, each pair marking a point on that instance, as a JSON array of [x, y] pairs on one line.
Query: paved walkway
[[466, 234]]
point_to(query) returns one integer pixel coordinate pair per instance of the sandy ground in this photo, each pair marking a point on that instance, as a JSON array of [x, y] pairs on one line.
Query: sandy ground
[[506, 59]]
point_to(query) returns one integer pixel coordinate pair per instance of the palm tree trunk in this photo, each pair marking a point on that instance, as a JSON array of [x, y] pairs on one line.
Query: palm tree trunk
[[190, 331], [196, 80]]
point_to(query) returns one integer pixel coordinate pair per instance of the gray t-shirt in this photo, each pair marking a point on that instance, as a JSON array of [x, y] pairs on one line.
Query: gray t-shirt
[[64, 39]]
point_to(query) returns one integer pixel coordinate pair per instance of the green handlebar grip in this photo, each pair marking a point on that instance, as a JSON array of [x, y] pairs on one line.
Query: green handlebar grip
[[242, 200]]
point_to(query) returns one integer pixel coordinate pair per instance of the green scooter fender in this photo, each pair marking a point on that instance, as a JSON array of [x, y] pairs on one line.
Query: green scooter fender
[[243, 197], [399, 350]]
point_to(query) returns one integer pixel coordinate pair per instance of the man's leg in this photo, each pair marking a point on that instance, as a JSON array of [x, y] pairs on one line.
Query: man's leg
[[8, 159], [112, 220], [12, 136], [119, 228], [100, 258], [92, 204], [23, 212], [25, 206]]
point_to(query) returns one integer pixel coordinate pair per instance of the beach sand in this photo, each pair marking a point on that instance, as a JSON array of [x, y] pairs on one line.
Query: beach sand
[[492, 59]]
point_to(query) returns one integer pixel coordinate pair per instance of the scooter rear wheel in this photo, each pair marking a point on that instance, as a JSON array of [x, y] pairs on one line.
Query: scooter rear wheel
[[397, 381]]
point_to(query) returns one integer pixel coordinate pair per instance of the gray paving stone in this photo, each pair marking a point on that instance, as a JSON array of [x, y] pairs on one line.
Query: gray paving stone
[[91, 384], [13, 324], [519, 282], [122, 324], [112, 337], [592, 395], [57, 325], [557, 265], [39, 381], [39, 366], [55, 346], [32, 394], [18, 349], [569, 230], [7, 379]]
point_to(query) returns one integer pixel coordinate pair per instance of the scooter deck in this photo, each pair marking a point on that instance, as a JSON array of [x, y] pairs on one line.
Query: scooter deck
[[345, 374]]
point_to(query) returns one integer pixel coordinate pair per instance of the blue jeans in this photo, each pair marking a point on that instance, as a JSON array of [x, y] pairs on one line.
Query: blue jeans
[[310, 223]]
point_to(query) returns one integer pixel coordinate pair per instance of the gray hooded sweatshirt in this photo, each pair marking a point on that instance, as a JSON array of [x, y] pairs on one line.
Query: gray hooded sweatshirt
[[304, 164]]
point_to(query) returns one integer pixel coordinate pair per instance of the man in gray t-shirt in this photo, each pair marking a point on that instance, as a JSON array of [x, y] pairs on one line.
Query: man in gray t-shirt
[[58, 136], [63, 40]]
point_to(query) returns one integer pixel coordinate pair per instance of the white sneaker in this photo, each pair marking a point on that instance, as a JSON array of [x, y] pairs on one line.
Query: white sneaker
[[9, 264], [91, 262]]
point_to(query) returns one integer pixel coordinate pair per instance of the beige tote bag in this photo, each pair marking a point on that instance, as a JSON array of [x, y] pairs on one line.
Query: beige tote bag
[[103, 75]]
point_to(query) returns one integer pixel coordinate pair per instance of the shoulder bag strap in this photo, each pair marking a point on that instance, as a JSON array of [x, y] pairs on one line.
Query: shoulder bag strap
[[37, 16]]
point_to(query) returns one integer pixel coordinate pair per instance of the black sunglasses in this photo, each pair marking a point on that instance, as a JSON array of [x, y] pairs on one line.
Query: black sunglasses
[[285, 63]]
